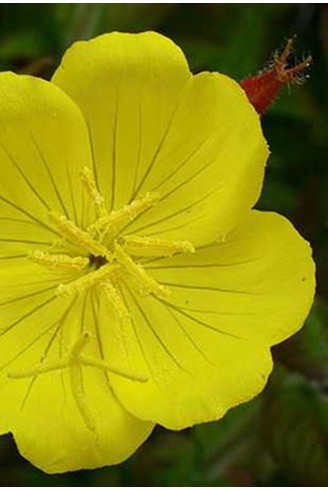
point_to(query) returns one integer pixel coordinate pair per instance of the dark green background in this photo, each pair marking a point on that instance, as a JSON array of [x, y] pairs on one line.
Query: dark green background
[[281, 438]]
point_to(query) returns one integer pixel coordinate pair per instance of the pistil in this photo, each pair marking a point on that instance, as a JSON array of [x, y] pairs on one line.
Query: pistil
[[73, 361], [76, 356]]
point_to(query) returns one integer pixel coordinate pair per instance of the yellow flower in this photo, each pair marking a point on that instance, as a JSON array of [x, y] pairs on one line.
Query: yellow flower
[[136, 284]]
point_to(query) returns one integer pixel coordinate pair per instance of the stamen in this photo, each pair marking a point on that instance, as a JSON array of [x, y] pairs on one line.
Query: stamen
[[115, 300], [78, 236], [88, 280], [116, 219], [146, 283], [98, 363], [145, 247], [54, 261], [91, 188]]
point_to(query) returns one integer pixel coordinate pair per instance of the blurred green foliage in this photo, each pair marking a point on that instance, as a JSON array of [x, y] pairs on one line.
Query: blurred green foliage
[[281, 438]]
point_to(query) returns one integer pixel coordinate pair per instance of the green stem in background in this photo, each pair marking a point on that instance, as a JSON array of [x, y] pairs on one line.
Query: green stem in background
[[231, 446], [85, 21], [295, 429]]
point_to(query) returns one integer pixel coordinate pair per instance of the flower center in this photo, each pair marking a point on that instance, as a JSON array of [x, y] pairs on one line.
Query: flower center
[[101, 256]]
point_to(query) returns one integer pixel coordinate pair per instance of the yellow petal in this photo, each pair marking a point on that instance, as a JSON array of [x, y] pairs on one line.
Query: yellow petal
[[29, 307], [207, 345], [51, 433], [195, 373], [127, 86], [29, 315], [43, 146], [62, 420], [261, 279], [154, 127]]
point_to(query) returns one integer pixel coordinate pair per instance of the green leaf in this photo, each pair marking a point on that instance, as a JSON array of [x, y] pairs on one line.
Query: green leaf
[[295, 429], [307, 351]]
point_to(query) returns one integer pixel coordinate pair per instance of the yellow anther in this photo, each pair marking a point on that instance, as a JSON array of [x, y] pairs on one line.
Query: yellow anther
[[94, 194], [115, 300], [78, 236], [112, 223], [54, 261], [147, 285], [149, 247], [85, 282]]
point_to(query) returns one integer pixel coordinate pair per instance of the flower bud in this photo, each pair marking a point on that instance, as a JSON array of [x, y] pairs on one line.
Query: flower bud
[[263, 88]]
